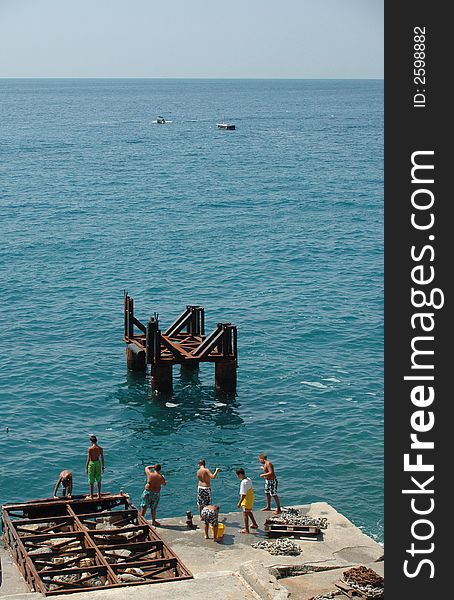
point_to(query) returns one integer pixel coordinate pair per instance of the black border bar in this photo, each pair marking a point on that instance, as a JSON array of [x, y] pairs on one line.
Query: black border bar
[[418, 325]]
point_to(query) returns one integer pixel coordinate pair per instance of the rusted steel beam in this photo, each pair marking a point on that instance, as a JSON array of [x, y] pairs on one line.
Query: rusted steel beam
[[235, 345], [23, 528], [158, 572], [126, 313], [62, 518], [145, 547], [52, 503], [77, 556], [195, 322], [24, 562], [131, 318], [228, 341], [110, 513], [150, 343], [202, 321], [76, 534], [117, 585], [179, 323], [75, 570], [139, 325], [153, 341], [176, 349], [158, 562], [114, 532], [210, 342]]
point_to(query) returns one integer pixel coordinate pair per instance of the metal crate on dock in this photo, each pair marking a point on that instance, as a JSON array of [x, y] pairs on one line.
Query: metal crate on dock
[[63, 545]]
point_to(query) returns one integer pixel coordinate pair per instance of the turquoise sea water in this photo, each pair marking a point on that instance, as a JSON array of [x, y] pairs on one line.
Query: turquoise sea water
[[276, 227]]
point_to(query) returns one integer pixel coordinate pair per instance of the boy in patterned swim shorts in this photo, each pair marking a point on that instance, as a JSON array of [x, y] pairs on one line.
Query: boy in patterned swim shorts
[[152, 491], [270, 483], [204, 477], [210, 515]]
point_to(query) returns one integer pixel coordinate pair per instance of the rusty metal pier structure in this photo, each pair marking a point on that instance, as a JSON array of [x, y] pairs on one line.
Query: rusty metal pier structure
[[80, 544], [184, 342]]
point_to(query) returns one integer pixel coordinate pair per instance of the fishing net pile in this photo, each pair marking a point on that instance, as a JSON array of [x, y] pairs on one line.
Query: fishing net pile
[[294, 516], [281, 547]]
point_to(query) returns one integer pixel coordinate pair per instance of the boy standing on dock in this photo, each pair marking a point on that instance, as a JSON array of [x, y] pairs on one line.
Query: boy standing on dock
[[246, 501], [204, 477], [95, 465], [270, 483], [152, 491]]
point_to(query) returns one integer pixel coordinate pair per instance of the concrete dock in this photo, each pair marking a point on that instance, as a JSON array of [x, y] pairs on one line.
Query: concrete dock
[[232, 569]]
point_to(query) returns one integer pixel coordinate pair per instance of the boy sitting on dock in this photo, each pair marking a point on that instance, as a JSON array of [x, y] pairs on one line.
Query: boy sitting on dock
[[270, 483], [95, 465], [204, 477], [246, 501], [152, 491], [66, 480]]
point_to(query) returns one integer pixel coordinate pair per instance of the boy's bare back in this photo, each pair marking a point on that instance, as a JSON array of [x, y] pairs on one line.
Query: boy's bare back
[[154, 480], [203, 475], [94, 452]]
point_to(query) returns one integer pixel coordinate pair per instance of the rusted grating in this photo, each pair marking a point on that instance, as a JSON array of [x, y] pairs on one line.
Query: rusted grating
[[63, 546]]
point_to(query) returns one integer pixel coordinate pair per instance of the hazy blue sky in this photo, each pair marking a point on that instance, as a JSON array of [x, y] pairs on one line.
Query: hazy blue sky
[[191, 38]]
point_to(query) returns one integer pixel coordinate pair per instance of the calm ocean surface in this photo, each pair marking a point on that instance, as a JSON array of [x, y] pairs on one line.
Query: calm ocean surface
[[276, 227]]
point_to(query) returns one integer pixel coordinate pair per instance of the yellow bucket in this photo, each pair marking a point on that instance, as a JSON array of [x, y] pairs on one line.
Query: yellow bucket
[[220, 531]]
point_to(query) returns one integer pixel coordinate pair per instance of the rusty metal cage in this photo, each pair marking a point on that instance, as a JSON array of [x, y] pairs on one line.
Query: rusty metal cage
[[62, 546]]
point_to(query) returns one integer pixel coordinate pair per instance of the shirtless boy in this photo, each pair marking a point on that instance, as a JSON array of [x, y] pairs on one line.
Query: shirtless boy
[[270, 483], [204, 477], [152, 491], [95, 465], [66, 480]]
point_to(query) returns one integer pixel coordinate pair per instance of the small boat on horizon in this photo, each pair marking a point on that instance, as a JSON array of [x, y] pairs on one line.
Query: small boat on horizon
[[161, 120], [229, 126]]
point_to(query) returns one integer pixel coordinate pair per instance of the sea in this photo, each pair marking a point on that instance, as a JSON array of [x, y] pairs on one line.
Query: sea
[[276, 227]]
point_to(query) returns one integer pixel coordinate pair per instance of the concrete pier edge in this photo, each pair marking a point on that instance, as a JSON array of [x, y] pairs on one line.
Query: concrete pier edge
[[264, 584]]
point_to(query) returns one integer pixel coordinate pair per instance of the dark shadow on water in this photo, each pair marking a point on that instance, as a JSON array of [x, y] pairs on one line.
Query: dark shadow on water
[[190, 401]]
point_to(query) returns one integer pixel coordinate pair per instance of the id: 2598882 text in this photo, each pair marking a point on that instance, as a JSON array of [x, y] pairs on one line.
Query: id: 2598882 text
[[419, 66]]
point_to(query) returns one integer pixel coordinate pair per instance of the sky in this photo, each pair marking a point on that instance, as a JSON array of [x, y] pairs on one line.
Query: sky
[[192, 38]]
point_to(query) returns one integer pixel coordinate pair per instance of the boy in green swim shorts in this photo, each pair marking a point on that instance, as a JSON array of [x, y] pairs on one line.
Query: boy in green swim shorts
[[95, 465]]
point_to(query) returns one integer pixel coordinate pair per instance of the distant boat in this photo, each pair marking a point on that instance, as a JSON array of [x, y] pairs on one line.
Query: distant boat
[[160, 120], [229, 126]]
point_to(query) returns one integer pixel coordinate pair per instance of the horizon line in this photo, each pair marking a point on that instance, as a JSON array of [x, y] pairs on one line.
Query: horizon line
[[378, 78]]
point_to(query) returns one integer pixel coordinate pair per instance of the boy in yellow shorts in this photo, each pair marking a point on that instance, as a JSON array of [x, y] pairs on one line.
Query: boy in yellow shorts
[[246, 501]]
